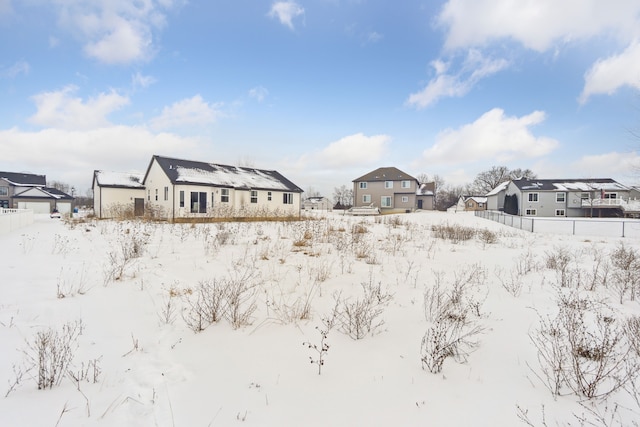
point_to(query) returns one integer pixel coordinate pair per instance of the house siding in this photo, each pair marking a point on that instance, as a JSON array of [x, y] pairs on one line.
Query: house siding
[[238, 205], [109, 202], [377, 190]]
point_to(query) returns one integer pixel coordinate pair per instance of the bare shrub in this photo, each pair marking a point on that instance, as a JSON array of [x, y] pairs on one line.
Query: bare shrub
[[51, 353], [526, 263], [286, 311], [321, 348], [625, 274], [70, 283], [560, 260], [455, 233], [583, 348], [362, 316], [449, 336], [599, 269], [487, 237], [512, 283], [167, 313]]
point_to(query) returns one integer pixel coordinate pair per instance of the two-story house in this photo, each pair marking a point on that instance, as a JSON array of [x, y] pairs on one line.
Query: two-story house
[[391, 190]]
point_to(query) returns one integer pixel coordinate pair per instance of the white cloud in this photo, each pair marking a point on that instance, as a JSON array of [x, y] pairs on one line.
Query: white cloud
[[353, 150], [475, 68], [608, 165], [187, 112], [20, 67], [114, 31], [71, 156], [493, 136], [142, 81], [259, 93], [608, 75], [535, 24], [61, 110], [286, 11], [374, 37]]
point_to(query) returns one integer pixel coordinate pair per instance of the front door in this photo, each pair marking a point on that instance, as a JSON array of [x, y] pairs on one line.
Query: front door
[[138, 207]]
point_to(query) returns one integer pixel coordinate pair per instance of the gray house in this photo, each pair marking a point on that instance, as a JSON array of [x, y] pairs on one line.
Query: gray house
[[602, 197], [29, 191], [391, 190]]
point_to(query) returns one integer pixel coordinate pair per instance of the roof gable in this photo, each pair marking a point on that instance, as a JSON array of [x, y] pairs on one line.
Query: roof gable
[[201, 173], [385, 174], [43, 193]]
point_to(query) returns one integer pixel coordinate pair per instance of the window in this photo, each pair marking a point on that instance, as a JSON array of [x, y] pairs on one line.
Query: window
[[254, 196], [480, 205], [610, 195], [224, 195], [287, 198], [584, 196], [533, 197], [560, 197], [385, 201], [181, 199], [149, 195], [469, 204], [198, 202], [156, 194], [213, 198], [4, 191], [363, 185], [388, 184], [269, 195], [405, 184], [166, 193], [531, 212], [405, 199], [560, 212], [366, 198]]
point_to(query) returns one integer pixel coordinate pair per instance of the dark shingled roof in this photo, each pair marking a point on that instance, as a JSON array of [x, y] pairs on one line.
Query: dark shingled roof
[[385, 174], [19, 178], [192, 172]]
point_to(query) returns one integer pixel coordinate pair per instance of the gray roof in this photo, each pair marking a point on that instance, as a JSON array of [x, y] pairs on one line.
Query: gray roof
[[118, 179], [27, 179], [191, 172], [385, 174], [606, 184]]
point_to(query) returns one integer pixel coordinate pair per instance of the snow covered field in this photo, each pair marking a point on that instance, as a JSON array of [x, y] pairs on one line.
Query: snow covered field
[[134, 303]]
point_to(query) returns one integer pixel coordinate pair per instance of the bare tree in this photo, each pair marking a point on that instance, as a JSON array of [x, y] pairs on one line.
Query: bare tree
[[343, 196], [311, 192], [488, 180], [422, 178]]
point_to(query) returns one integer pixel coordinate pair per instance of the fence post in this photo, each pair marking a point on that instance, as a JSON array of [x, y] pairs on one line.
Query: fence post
[[574, 227]]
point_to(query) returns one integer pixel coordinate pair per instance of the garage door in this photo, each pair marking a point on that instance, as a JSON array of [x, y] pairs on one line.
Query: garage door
[[36, 207], [63, 208]]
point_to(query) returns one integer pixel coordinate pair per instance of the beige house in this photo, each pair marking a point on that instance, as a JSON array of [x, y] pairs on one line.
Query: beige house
[[391, 190], [117, 194], [177, 188], [317, 203]]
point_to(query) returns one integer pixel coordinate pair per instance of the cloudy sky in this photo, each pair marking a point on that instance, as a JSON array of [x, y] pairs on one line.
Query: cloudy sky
[[321, 90]]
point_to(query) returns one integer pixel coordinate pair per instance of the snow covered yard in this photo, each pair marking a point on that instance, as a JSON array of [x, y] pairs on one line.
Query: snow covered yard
[[223, 324]]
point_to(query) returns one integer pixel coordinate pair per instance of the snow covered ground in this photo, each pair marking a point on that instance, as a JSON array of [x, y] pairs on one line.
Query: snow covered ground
[[132, 290]]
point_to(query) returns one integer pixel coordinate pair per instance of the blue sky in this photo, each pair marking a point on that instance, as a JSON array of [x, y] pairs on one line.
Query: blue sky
[[321, 90]]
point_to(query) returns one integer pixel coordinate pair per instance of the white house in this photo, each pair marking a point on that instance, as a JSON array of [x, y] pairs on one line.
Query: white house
[[117, 194], [177, 188], [320, 203]]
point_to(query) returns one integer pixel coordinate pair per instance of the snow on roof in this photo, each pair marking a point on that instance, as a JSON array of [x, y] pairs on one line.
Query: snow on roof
[[500, 187], [589, 186], [119, 179], [229, 176], [478, 199]]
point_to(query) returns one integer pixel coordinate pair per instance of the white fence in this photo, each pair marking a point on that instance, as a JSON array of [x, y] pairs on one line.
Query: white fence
[[610, 227], [12, 219]]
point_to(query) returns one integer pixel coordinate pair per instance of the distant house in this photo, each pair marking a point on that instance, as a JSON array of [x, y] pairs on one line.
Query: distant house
[[471, 203], [391, 190], [317, 203], [117, 194], [177, 188], [602, 197], [30, 191]]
